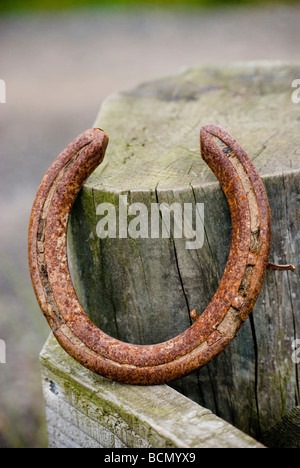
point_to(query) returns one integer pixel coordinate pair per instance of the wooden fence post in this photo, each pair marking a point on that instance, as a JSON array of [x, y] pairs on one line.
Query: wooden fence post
[[141, 289]]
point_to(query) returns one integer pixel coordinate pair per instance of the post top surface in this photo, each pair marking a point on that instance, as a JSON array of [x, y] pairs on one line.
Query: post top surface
[[154, 129]]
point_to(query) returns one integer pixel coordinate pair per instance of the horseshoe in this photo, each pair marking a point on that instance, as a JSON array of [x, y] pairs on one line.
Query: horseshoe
[[213, 330]]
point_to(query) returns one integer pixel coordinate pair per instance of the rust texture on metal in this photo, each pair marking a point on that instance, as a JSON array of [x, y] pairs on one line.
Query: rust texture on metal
[[213, 330]]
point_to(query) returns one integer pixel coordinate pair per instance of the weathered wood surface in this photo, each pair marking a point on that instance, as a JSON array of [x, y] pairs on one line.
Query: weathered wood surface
[[286, 433], [141, 290], [87, 411]]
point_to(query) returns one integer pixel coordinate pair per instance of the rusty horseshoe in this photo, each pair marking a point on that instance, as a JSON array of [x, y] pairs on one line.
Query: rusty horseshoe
[[218, 324]]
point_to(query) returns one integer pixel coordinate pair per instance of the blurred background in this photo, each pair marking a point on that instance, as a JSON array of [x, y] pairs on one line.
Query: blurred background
[[60, 59]]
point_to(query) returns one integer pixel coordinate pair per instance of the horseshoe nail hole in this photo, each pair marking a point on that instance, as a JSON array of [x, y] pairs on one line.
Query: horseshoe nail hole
[[230, 324], [255, 244], [44, 271], [246, 281], [226, 149], [41, 227], [252, 259]]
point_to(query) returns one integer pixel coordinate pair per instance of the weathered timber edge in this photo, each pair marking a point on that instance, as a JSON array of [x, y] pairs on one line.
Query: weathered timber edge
[[286, 433], [85, 410]]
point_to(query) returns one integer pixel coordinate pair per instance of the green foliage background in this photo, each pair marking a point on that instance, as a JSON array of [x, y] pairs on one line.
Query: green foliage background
[[8, 5]]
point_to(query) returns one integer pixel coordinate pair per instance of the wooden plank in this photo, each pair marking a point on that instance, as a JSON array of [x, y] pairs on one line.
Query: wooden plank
[[85, 410], [141, 290]]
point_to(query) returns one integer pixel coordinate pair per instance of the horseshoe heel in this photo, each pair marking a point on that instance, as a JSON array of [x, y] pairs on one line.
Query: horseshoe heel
[[213, 330]]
